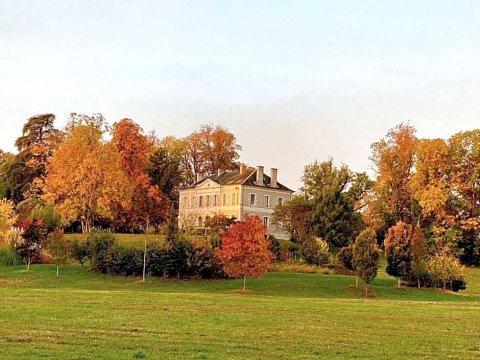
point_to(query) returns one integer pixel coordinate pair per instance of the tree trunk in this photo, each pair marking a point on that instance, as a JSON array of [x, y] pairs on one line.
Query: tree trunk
[[57, 270], [366, 290], [28, 262], [244, 282], [145, 258], [418, 282], [399, 283], [356, 281]]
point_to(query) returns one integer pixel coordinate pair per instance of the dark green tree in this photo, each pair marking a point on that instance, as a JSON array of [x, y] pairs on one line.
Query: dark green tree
[[334, 193], [36, 144], [165, 171], [365, 256]]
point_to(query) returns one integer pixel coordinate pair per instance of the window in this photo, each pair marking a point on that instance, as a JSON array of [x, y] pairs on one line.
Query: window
[[253, 199], [280, 201], [267, 200], [185, 202], [233, 199], [208, 200], [215, 200], [200, 201], [266, 221], [224, 199], [200, 221]]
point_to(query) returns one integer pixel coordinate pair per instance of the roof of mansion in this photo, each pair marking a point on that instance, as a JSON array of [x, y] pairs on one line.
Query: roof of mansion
[[246, 177]]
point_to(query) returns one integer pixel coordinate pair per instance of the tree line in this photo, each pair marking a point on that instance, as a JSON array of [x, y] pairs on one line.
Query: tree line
[[117, 176], [423, 206]]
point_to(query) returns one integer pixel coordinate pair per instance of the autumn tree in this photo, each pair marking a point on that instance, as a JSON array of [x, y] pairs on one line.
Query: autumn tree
[[398, 250], [419, 255], [445, 269], [393, 158], [8, 218], [96, 121], [34, 234], [464, 202], [218, 224], [7, 162], [148, 206], [365, 256], [430, 181], [83, 178], [245, 249], [209, 149], [295, 217]]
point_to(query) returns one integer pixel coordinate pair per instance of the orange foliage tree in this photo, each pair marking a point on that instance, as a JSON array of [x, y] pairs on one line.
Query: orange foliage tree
[[209, 149], [393, 158], [83, 178], [148, 206], [245, 249]]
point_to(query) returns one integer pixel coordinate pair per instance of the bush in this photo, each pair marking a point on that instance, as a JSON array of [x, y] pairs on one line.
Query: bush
[[315, 251], [345, 257], [446, 271], [203, 260], [298, 267], [9, 255], [178, 258], [275, 247], [79, 251], [124, 261], [99, 243]]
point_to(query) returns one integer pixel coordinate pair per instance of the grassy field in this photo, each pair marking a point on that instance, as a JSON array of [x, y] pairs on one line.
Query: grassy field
[[83, 315]]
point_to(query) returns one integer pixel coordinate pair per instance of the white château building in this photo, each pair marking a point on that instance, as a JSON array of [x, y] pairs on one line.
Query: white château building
[[234, 194]]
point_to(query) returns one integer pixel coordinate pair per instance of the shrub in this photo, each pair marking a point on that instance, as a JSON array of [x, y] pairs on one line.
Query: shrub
[[9, 255], [446, 270], [124, 261], [298, 267], [275, 247], [79, 251], [99, 242], [203, 260], [315, 251], [345, 257]]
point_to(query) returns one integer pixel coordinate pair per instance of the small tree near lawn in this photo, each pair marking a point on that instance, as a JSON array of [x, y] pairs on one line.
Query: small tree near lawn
[[34, 234], [365, 256], [245, 249], [58, 247]]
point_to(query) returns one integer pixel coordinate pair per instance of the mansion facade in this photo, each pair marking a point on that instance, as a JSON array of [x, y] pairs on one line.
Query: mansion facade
[[235, 194]]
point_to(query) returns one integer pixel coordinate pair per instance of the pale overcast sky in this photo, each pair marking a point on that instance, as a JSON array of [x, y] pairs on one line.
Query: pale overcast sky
[[295, 81]]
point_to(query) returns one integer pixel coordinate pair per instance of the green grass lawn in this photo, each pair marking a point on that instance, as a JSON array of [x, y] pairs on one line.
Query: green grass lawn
[[83, 315]]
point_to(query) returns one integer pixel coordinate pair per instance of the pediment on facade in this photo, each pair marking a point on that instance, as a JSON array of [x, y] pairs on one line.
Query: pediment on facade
[[208, 184]]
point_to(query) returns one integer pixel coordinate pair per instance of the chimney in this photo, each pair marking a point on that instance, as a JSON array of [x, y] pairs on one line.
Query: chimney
[[243, 167], [219, 172], [273, 177], [199, 177], [259, 176]]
